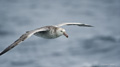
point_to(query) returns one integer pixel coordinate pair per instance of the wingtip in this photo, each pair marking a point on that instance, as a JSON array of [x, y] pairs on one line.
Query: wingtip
[[1, 54], [86, 25], [90, 26]]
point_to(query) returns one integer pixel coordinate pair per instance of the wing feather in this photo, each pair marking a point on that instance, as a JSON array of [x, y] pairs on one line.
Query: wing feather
[[22, 38], [78, 24]]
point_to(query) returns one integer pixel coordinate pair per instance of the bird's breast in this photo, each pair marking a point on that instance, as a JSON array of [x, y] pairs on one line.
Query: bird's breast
[[46, 34]]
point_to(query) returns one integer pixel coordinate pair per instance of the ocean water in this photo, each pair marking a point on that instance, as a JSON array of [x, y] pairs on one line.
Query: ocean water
[[98, 46]]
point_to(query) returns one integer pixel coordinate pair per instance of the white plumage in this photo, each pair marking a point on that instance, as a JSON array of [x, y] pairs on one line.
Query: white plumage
[[48, 32]]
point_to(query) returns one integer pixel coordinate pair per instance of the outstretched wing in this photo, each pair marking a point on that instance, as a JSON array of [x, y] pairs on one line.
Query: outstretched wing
[[78, 24], [22, 38]]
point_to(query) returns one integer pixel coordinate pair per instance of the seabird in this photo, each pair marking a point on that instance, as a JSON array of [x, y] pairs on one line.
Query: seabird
[[48, 32]]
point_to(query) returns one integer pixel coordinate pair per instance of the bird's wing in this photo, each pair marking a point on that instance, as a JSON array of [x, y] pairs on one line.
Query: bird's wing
[[78, 24], [22, 38]]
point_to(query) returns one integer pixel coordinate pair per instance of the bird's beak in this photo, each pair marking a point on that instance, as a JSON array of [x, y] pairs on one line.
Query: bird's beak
[[65, 34]]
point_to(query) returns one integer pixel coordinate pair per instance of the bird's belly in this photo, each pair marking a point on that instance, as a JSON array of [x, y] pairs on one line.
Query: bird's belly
[[46, 35]]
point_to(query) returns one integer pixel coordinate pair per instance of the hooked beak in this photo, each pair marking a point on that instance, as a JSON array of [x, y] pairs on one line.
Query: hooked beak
[[65, 34]]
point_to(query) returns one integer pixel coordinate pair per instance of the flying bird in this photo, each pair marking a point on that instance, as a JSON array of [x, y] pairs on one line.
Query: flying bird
[[48, 32]]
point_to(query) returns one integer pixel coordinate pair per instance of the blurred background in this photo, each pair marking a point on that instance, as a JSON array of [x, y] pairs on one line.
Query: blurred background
[[98, 46]]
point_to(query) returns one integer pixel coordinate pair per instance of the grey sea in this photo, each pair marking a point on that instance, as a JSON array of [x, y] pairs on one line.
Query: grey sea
[[97, 46]]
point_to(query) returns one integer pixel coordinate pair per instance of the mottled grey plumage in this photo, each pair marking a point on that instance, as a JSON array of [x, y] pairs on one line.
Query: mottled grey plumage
[[48, 32]]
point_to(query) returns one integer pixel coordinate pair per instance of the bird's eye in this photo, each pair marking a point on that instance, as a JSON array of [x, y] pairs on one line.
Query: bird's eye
[[61, 31]]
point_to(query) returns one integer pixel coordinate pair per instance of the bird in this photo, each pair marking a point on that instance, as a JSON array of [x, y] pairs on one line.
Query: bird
[[47, 32]]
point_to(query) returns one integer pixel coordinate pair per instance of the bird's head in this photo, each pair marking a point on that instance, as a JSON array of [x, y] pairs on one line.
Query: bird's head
[[61, 31]]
